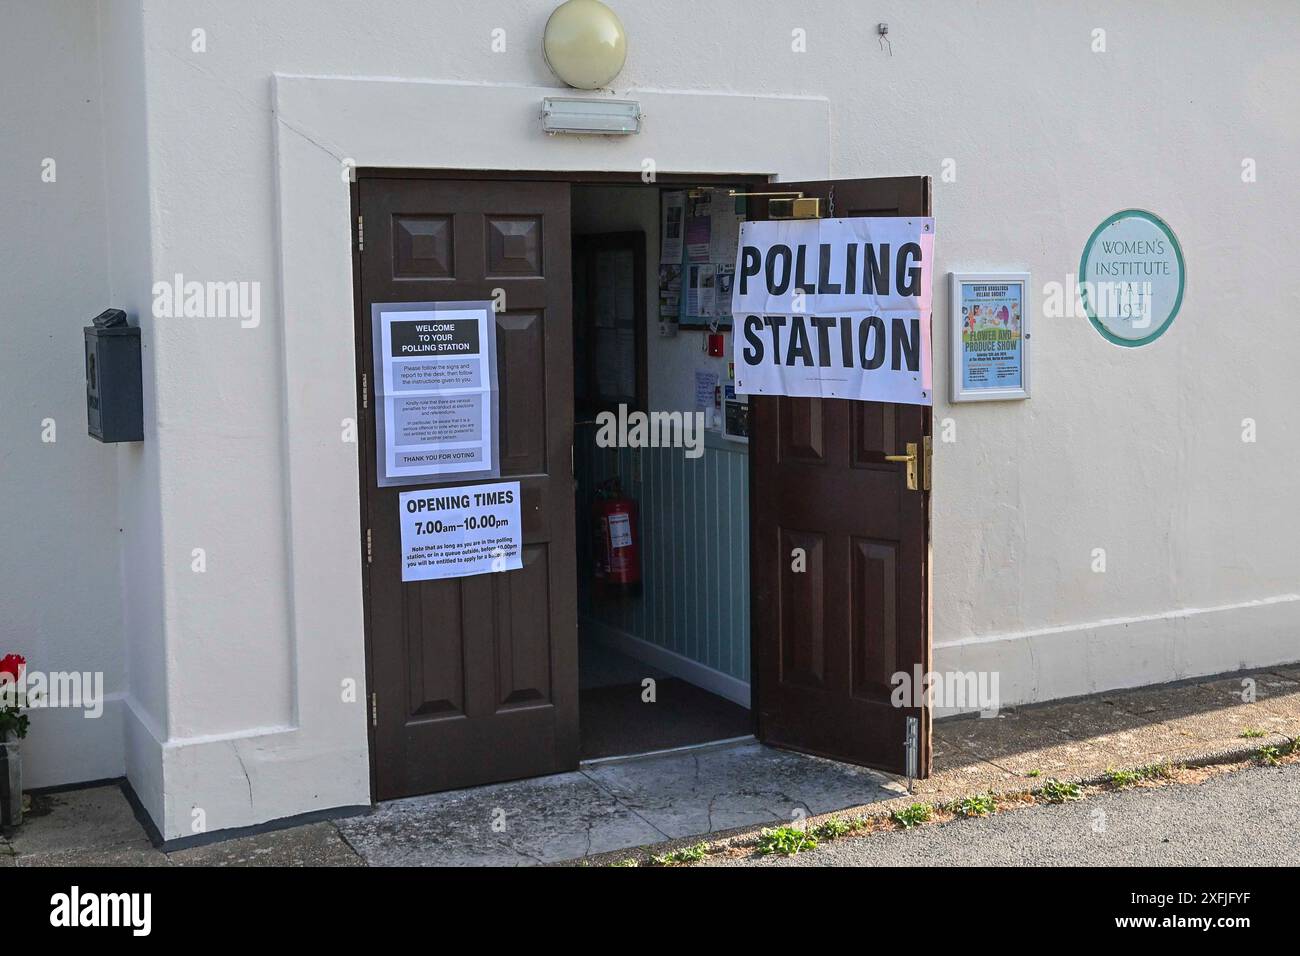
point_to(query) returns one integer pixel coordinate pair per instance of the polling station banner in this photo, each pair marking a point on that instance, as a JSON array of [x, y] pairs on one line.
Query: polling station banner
[[835, 308]]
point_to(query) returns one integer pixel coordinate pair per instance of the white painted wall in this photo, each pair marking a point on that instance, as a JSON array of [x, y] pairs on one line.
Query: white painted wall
[[140, 467], [60, 573], [1135, 451]]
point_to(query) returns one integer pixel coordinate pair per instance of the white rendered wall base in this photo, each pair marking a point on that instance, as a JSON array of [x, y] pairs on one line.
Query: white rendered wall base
[[1072, 661], [74, 748], [144, 759]]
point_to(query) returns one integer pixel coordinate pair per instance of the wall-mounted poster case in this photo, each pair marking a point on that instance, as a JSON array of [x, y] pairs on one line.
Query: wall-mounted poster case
[[989, 341]]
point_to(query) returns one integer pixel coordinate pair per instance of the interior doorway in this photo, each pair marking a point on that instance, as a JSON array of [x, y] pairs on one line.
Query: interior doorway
[[662, 514]]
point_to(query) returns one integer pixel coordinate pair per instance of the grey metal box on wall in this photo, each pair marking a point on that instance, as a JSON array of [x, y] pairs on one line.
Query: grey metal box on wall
[[114, 397]]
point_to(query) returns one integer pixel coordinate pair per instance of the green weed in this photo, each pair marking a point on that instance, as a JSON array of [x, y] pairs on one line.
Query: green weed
[[1269, 756], [1059, 791], [977, 805], [686, 854], [911, 816], [786, 841], [1126, 778], [830, 829]]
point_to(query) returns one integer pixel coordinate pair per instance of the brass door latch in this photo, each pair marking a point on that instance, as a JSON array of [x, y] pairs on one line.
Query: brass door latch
[[918, 465]]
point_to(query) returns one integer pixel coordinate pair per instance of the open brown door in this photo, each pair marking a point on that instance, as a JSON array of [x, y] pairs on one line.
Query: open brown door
[[828, 638], [476, 677]]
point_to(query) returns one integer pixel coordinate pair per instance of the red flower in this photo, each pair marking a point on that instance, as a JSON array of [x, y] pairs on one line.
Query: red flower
[[10, 667]]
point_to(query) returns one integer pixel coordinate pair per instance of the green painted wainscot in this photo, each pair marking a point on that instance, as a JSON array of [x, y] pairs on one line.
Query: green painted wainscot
[[694, 526]]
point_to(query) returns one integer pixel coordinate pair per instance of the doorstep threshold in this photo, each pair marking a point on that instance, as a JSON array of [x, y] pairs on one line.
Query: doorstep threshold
[[707, 745]]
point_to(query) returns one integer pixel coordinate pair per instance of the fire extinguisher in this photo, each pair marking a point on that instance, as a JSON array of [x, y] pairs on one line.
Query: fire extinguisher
[[616, 553]]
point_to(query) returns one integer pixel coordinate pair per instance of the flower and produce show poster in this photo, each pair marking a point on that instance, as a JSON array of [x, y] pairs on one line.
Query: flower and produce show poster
[[435, 391], [453, 532], [992, 356]]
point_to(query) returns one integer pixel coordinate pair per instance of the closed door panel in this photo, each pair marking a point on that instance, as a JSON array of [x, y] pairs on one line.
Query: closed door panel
[[476, 677]]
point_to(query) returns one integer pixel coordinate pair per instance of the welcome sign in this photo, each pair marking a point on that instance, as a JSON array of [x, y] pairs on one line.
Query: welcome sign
[[835, 308], [435, 390]]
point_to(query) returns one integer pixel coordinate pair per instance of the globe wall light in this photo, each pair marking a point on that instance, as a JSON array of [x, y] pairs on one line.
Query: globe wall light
[[584, 44]]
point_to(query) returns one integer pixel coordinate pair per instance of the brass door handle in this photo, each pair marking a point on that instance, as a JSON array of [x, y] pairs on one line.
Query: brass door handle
[[915, 481]]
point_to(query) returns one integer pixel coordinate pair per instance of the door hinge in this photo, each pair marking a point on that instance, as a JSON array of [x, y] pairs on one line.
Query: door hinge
[[365, 390], [370, 553], [374, 709], [361, 235]]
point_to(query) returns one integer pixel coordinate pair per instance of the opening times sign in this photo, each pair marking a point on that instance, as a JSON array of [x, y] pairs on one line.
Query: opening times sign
[[436, 390], [453, 532], [835, 308]]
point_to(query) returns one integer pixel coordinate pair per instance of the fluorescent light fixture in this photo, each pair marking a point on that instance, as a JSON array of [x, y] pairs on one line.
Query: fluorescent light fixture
[[608, 117]]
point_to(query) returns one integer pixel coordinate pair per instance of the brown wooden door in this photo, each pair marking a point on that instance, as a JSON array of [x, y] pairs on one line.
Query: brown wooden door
[[476, 677], [829, 638]]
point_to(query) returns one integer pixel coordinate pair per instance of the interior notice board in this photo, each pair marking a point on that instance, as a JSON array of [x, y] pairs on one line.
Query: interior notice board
[[699, 233]]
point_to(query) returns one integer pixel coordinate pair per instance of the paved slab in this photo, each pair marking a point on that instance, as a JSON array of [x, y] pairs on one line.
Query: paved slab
[[1121, 738], [705, 791], [114, 856], [610, 806], [544, 820], [317, 844], [1083, 738], [1168, 702], [1284, 700], [957, 772], [1021, 742], [94, 819]]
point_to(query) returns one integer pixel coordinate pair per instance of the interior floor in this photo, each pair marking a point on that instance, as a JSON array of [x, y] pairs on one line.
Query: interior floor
[[602, 666], [615, 721]]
